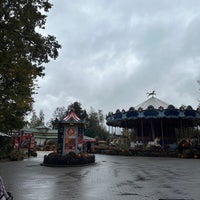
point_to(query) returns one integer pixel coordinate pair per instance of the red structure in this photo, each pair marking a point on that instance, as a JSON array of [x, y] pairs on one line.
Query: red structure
[[70, 134], [24, 140]]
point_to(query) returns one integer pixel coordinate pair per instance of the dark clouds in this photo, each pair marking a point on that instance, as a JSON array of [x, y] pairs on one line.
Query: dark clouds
[[115, 51]]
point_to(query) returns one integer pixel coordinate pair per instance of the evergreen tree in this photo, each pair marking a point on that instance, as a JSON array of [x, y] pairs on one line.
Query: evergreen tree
[[22, 54], [77, 108], [41, 118], [59, 114], [36, 121], [95, 127]]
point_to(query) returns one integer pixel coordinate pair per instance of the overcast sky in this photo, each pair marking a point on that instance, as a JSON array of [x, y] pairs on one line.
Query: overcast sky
[[115, 51]]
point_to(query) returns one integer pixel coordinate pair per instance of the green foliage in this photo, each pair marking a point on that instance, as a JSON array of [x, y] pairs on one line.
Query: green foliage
[[95, 127], [16, 155], [77, 108], [36, 121], [55, 159], [61, 112], [6, 147], [58, 115], [94, 121], [22, 54], [72, 154]]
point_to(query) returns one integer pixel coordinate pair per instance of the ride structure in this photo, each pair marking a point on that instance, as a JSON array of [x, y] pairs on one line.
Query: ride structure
[[156, 119]]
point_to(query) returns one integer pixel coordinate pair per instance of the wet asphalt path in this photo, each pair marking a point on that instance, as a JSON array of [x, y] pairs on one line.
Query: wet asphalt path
[[112, 178]]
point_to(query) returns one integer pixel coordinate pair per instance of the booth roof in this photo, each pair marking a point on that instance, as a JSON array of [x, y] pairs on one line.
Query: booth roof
[[4, 135], [152, 101], [72, 116]]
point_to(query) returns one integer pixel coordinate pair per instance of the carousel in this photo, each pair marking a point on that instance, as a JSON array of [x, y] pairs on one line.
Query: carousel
[[155, 118]]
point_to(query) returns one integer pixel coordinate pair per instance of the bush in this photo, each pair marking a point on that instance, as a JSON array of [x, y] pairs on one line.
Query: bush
[[16, 155], [69, 159], [6, 147]]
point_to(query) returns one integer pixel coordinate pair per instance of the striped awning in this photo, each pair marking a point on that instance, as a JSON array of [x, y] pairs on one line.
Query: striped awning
[[72, 116]]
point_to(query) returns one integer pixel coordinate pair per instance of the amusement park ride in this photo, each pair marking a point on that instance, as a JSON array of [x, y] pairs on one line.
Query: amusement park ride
[[154, 118]]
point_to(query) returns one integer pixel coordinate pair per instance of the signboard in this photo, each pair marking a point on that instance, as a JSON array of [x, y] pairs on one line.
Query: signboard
[[80, 139], [70, 140], [24, 140]]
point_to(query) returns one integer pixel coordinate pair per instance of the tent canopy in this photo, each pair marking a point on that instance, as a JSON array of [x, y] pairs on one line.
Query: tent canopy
[[4, 135]]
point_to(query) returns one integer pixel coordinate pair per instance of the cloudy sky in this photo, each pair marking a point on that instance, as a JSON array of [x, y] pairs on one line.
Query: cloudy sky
[[114, 52]]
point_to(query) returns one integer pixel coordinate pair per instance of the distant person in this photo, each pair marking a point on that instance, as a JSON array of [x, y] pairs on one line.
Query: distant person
[[89, 145]]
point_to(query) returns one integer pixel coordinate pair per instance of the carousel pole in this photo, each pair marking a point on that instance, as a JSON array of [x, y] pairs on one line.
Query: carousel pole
[[142, 131], [161, 124], [181, 126], [152, 129]]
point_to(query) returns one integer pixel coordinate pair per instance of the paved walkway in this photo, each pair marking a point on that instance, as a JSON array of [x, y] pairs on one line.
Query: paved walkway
[[112, 178]]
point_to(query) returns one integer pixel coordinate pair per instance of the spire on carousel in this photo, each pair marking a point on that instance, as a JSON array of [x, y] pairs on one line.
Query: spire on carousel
[[153, 93]]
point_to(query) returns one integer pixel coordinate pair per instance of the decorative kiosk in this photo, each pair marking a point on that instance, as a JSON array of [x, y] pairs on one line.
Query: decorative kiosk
[[70, 134], [69, 144]]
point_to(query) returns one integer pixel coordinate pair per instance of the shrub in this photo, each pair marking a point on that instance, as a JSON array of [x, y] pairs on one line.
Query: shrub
[[16, 155], [69, 159]]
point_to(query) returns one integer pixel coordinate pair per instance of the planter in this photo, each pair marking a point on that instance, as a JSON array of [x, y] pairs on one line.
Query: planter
[[70, 159]]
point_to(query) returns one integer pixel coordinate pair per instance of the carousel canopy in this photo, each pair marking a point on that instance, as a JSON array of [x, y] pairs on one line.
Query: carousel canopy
[[152, 108], [152, 101]]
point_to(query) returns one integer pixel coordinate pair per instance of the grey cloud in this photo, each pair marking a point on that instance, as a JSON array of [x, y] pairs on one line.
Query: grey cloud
[[115, 51]]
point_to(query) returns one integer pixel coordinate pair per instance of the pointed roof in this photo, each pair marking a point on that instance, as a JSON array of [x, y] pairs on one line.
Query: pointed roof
[[152, 101], [71, 117], [4, 135]]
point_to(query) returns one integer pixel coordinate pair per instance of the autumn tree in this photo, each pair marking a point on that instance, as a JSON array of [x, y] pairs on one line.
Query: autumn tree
[[23, 51]]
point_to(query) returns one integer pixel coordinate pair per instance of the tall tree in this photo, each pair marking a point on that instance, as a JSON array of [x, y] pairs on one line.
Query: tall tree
[[61, 112], [77, 108], [96, 127], [37, 120], [23, 51], [41, 118], [58, 115]]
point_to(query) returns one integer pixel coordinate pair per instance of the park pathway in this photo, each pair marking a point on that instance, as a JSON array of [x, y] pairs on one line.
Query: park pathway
[[111, 178]]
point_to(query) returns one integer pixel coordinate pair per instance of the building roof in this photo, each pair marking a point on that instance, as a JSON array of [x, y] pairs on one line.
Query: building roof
[[4, 135], [42, 127], [152, 101], [71, 116]]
